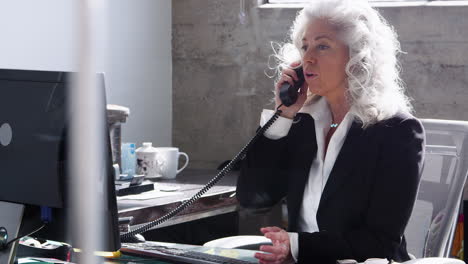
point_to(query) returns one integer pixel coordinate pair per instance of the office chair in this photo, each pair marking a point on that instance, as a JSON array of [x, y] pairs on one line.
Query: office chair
[[431, 227]]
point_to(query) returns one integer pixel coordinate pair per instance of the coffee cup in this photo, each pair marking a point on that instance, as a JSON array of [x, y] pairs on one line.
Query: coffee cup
[[169, 158]]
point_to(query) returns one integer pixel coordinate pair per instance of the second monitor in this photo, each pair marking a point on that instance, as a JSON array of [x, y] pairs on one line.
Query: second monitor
[[34, 146]]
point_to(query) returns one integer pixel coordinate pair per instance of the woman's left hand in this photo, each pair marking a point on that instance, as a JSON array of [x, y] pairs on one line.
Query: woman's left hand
[[280, 251]]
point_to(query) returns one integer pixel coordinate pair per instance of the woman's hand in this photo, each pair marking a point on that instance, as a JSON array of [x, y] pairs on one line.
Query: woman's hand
[[280, 252], [290, 76]]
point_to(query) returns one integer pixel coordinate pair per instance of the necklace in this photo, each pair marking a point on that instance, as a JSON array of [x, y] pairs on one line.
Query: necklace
[[334, 125]]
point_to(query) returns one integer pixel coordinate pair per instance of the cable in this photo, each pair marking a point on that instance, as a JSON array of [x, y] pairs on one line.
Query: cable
[[129, 235], [19, 237]]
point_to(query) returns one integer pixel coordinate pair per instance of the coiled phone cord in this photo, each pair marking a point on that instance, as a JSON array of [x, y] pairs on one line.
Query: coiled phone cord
[[129, 235]]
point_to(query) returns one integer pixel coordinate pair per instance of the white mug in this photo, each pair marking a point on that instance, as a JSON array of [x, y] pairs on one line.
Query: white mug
[[169, 161]]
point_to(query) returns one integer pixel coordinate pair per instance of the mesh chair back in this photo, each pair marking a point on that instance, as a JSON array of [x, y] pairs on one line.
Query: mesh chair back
[[432, 224]]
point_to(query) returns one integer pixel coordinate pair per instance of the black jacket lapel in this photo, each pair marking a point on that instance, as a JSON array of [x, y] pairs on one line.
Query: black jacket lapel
[[302, 152], [344, 161]]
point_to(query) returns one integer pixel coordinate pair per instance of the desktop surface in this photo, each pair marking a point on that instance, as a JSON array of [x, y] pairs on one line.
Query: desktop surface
[[218, 200]]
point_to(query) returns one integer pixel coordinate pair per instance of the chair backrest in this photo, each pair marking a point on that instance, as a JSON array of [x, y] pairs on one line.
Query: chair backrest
[[432, 224]]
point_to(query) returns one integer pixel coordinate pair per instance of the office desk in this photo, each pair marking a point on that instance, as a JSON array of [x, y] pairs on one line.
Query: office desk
[[218, 200]]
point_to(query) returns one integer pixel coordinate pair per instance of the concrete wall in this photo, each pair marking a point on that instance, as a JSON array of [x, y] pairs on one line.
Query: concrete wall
[[220, 86], [137, 60]]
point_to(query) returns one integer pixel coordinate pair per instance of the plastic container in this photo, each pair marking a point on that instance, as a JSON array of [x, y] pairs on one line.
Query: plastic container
[[116, 116], [128, 159]]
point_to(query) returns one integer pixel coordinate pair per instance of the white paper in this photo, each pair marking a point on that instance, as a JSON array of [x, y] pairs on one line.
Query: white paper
[[148, 195]]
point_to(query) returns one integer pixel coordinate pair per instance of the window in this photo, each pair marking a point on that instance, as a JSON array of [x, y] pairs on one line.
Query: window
[[305, 1]]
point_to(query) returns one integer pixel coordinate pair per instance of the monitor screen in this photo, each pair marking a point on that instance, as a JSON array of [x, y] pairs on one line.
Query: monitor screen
[[33, 151]]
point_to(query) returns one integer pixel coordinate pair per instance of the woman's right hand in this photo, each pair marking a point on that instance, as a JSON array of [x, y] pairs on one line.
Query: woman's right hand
[[289, 75]]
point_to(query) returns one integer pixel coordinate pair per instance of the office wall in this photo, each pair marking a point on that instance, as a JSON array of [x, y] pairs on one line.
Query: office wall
[[141, 67], [221, 87], [137, 58], [37, 34]]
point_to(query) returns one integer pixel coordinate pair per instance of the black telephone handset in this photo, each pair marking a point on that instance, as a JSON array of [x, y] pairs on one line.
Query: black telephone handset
[[288, 93], [288, 96]]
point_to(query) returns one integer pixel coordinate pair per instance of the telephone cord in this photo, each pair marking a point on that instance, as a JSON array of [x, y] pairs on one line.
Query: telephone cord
[[129, 235]]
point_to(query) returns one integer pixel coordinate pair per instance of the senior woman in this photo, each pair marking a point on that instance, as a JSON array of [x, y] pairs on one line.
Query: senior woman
[[348, 154]]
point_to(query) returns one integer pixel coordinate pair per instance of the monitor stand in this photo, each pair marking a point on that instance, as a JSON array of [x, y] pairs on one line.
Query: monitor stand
[[11, 215]]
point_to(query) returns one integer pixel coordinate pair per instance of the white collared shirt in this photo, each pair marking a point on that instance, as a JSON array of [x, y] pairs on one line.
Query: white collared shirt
[[320, 168]]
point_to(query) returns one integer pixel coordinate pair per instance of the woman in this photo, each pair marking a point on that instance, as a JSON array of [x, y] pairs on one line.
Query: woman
[[348, 154]]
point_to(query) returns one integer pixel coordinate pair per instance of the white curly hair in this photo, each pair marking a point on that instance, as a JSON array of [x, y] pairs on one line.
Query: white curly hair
[[375, 91]]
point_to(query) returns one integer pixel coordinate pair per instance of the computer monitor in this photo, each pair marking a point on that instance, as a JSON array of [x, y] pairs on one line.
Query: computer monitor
[[34, 144]]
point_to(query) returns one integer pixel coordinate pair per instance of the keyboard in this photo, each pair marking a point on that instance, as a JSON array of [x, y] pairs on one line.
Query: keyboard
[[176, 255]]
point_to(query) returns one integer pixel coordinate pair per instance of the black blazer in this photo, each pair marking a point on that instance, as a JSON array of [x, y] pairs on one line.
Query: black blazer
[[369, 195]]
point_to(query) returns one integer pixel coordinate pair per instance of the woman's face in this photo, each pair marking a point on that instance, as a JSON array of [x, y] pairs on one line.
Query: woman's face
[[324, 59]]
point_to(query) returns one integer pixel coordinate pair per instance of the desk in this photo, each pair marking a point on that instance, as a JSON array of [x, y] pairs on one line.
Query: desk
[[218, 200]]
